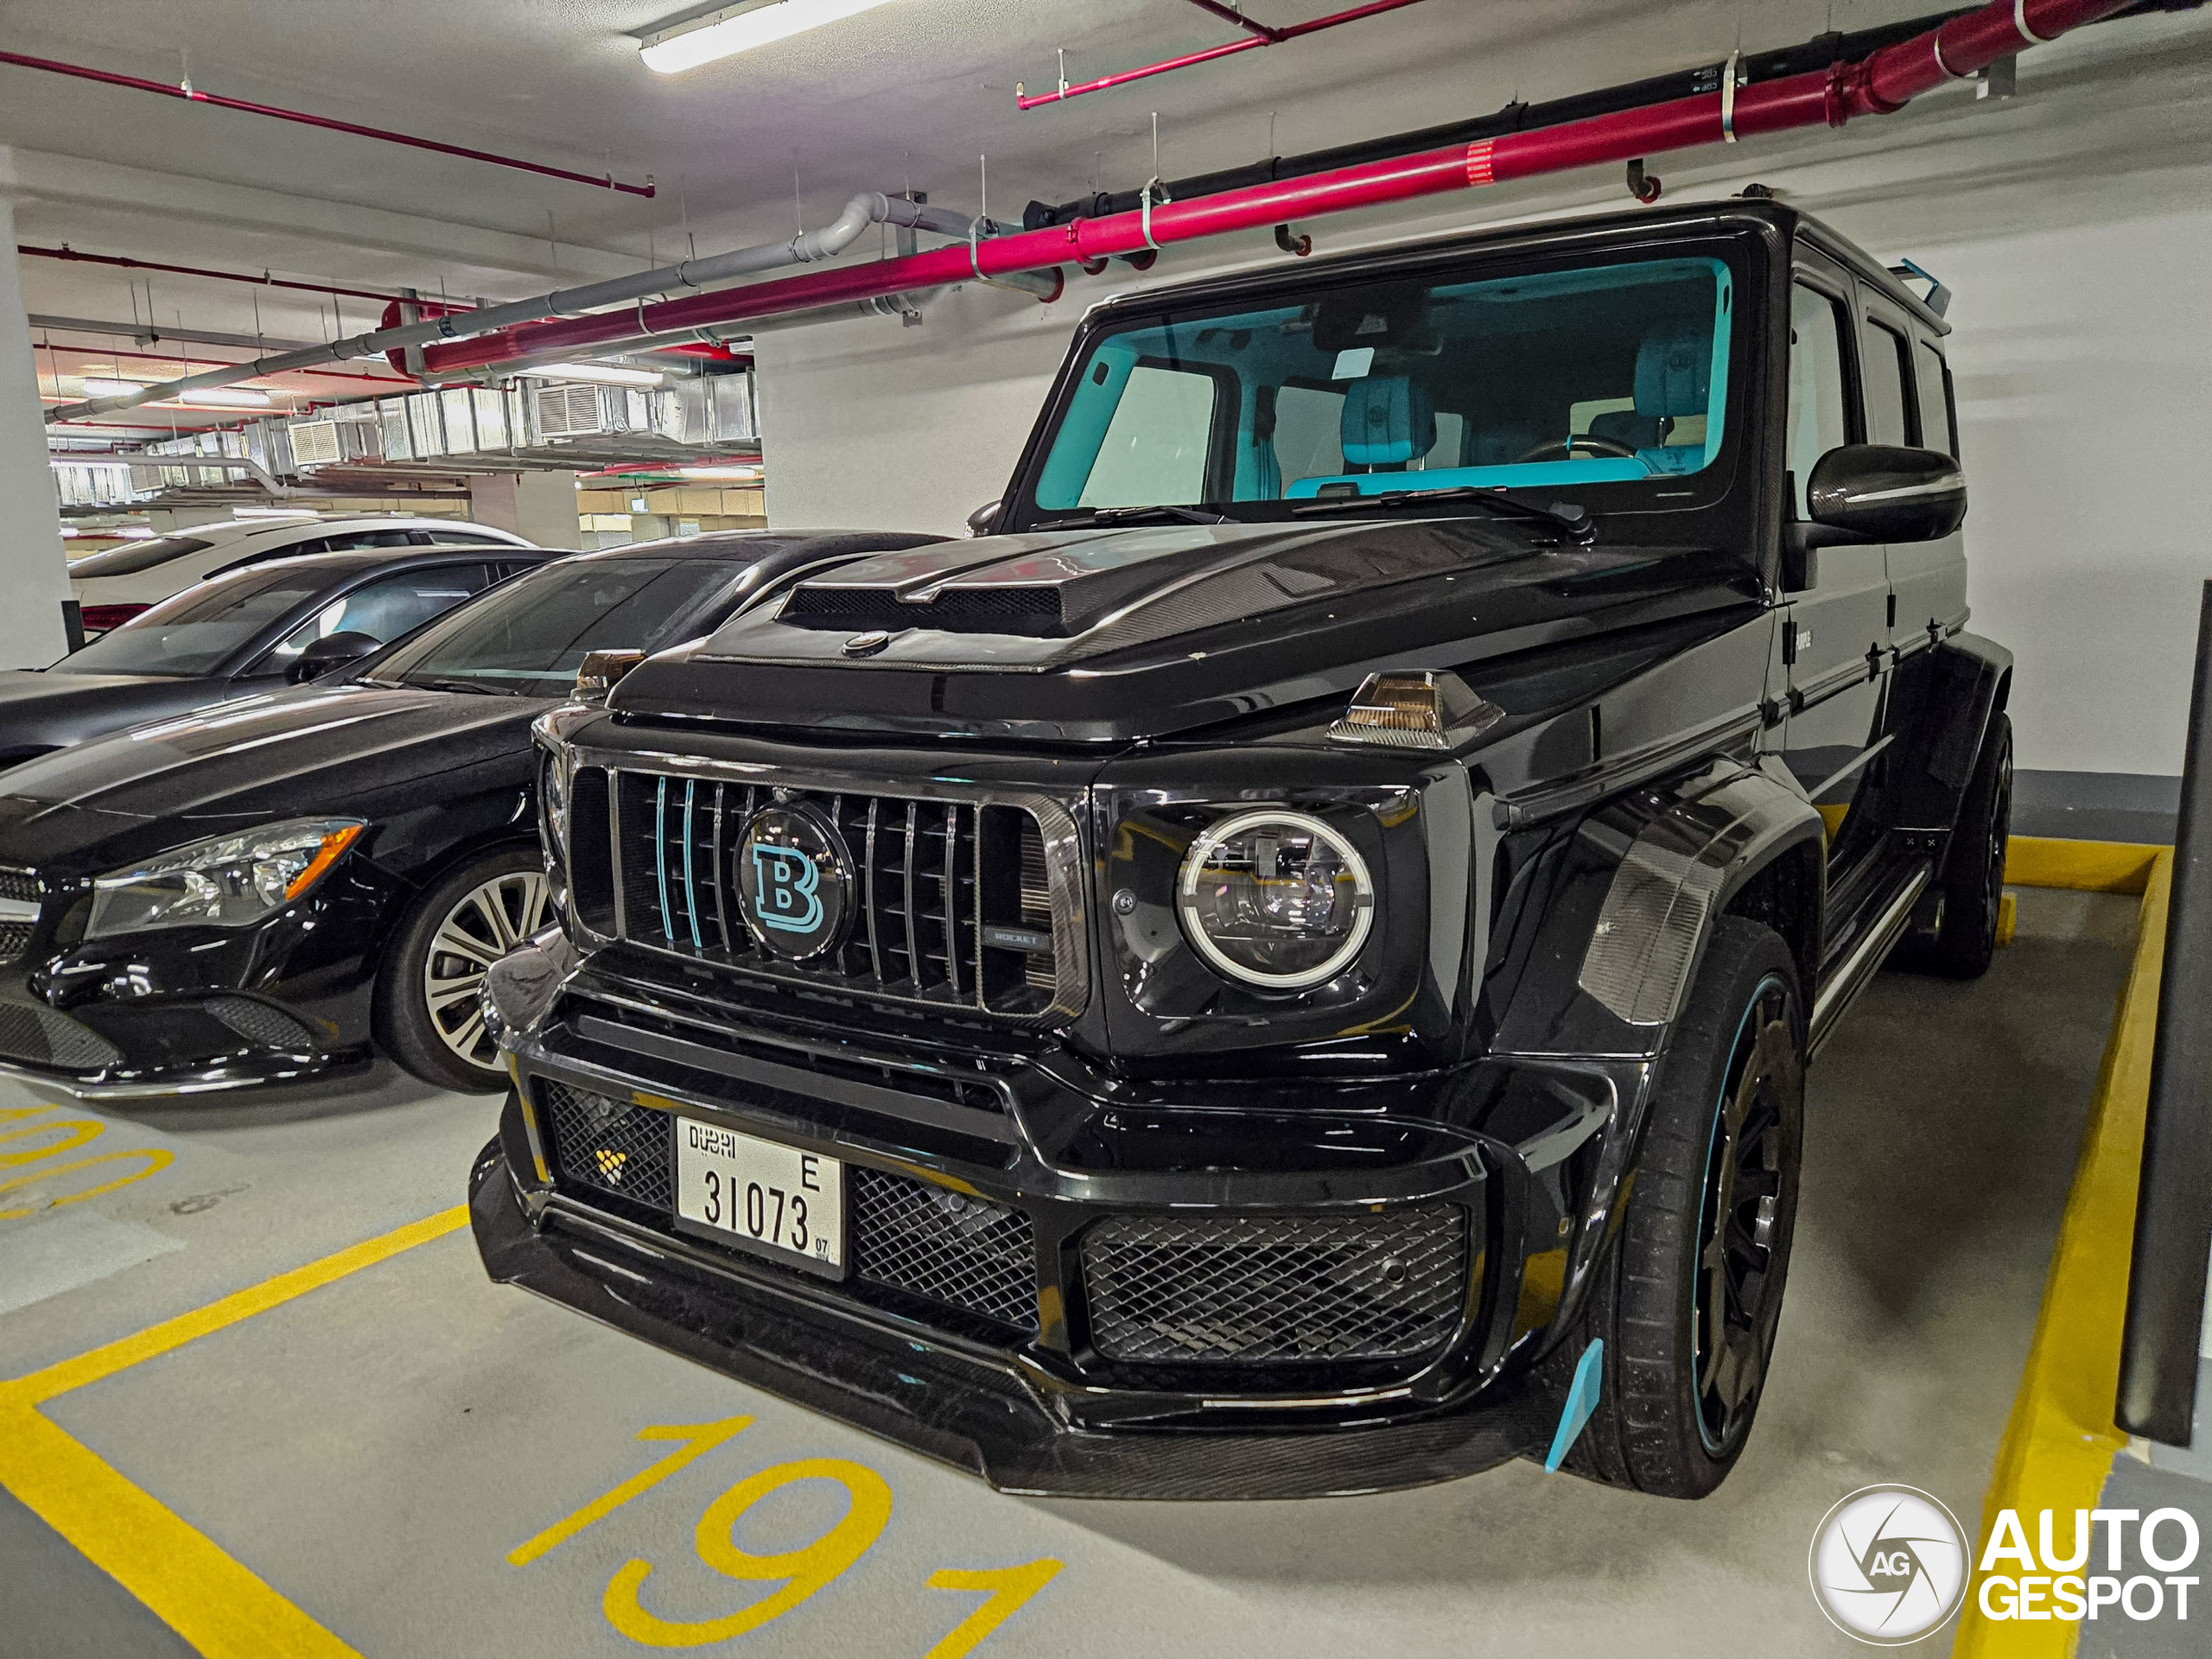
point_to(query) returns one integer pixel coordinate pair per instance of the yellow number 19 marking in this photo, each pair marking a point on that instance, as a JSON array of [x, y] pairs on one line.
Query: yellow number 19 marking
[[1009, 1586], [698, 1440], [807, 1569]]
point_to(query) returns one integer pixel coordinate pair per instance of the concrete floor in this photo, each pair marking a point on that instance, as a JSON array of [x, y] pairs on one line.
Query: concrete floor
[[373, 1450]]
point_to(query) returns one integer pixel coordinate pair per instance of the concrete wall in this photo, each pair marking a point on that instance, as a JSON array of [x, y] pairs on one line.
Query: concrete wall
[[2072, 223]]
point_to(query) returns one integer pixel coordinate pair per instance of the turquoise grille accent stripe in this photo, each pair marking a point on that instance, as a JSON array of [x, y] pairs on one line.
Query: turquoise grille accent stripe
[[660, 857], [690, 889]]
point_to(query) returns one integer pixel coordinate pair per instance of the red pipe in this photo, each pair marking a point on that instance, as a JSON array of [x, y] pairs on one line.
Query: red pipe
[[190, 94], [1873, 85], [65, 252], [1260, 35]]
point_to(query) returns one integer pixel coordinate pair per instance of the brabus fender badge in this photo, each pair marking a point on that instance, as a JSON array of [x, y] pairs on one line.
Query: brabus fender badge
[[794, 880]]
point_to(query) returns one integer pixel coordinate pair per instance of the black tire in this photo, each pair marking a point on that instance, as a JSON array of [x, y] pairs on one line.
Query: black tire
[[1974, 873], [425, 1016], [1711, 1209]]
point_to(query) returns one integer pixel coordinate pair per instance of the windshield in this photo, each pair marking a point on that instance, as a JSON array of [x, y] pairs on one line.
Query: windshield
[[138, 556], [1613, 374], [530, 637], [202, 627]]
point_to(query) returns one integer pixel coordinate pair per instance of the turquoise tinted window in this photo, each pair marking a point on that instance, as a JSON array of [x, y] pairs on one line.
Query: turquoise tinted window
[[1607, 374]]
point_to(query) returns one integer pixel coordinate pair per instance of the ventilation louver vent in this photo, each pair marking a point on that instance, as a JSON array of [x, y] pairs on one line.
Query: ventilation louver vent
[[1033, 613]]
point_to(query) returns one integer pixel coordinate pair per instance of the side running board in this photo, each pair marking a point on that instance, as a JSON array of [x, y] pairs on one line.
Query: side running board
[[1853, 973]]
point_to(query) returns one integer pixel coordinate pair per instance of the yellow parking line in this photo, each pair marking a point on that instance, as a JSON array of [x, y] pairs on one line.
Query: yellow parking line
[[2059, 1441], [191, 1583], [2092, 866]]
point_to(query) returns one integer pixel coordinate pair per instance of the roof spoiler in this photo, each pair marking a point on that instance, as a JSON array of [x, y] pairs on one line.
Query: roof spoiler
[[1938, 297]]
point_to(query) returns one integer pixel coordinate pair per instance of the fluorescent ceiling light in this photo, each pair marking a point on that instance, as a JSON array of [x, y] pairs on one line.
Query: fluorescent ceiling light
[[96, 386], [740, 29], [720, 472], [599, 374], [227, 397]]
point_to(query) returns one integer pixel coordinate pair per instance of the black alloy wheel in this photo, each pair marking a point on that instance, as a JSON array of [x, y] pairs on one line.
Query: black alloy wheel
[[426, 1016], [1730, 1327], [1689, 1300], [1973, 884]]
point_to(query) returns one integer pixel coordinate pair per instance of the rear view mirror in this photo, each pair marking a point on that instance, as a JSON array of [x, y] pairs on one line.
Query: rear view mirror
[[332, 650], [1888, 493], [601, 670], [984, 518]]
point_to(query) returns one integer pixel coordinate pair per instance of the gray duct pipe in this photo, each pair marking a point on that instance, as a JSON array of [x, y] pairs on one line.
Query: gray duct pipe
[[833, 239], [1041, 283]]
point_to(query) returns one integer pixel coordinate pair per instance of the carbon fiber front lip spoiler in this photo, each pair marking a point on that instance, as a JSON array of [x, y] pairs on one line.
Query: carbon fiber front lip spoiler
[[968, 1413]]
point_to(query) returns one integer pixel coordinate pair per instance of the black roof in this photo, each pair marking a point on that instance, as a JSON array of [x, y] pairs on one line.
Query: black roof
[[1600, 228]]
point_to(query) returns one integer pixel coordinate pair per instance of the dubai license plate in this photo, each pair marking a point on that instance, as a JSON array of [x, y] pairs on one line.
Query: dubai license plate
[[761, 1194]]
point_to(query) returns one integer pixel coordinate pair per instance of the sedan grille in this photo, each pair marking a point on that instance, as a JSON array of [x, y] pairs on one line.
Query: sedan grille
[[1172, 1290], [19, 899], [950, 903]]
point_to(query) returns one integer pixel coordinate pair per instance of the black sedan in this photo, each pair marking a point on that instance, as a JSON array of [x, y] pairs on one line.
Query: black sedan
[[235, 635], [261, 889]]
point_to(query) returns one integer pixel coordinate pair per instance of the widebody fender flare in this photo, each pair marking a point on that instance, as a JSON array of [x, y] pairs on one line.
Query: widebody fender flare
[[1949, 695]]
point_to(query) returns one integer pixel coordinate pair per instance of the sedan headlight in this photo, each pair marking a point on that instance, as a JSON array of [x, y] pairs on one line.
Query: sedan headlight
[[225, 881], [1276, 899]]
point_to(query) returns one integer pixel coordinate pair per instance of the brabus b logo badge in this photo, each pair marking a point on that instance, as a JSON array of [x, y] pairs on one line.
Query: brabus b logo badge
[[794, 881]]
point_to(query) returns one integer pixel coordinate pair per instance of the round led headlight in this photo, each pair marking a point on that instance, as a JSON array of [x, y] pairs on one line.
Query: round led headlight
[[1276, 899]]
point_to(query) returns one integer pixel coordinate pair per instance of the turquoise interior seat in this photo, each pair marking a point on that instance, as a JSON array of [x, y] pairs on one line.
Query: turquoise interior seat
[[1387, 421], [1673, 378]]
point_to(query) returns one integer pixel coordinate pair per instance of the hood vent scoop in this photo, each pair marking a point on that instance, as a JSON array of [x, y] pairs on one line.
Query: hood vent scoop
[[1033, 613]]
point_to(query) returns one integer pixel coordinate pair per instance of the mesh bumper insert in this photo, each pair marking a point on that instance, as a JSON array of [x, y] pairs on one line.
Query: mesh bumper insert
[[933, 1241], [926, 1240], [1171, 1290]]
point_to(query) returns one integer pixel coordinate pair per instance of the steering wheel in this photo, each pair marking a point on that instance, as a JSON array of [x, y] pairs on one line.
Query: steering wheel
[[1567, 446]]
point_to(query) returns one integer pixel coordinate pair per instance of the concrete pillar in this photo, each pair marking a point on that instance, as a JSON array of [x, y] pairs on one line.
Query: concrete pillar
[[34, 570], [539, 505]]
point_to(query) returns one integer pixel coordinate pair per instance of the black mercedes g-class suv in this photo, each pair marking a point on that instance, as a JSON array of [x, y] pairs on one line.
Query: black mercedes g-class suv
[[1287, 964]]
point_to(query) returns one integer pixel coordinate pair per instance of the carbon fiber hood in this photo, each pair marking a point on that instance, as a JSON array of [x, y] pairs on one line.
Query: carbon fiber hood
[[1104, 635]]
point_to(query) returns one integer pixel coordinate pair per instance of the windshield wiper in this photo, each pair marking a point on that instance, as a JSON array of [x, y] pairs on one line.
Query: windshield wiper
[[455, 682], [1138, 515], [1574, 520]]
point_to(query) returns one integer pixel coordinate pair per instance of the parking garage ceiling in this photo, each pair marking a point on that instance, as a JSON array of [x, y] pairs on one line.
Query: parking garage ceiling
[[907, 95]]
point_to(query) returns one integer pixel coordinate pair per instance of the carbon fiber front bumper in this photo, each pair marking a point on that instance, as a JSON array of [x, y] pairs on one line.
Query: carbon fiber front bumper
[[959, 1402]]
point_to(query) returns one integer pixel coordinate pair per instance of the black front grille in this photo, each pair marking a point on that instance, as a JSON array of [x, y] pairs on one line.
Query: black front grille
[[950, 901], [1033, 611], [15, 939], [1172, 1290], [947, 1246], [20, 884], [610, 1146]]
